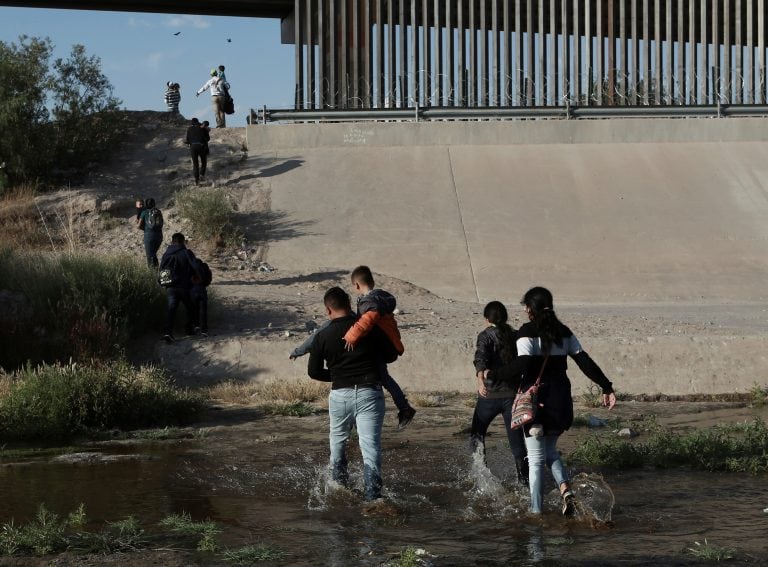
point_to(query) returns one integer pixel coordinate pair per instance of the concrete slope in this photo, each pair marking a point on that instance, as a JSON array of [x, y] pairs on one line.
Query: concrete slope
[[669, 211]]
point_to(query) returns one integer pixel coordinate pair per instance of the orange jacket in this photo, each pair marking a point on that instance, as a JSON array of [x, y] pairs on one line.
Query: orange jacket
[[367, 321]]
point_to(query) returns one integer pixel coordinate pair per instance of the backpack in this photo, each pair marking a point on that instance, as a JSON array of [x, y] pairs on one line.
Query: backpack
[[204, 271], [154, 219]]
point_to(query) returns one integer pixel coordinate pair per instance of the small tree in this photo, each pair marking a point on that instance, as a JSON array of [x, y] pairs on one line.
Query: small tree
[[24, 80], [81, 125], [84, 108]]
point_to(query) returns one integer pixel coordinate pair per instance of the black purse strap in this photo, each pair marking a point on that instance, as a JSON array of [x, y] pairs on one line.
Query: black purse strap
[[538, 380]]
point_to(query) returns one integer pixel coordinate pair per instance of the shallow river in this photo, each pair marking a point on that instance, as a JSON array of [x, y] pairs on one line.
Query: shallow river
[[263, 481]]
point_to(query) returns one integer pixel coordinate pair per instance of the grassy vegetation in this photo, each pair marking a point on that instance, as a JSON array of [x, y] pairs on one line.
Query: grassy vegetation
[[48, 533], [708, 552], [295, 409], [408, 557], [203, 532], [270, 392], [209, 210], [253, 554], [20, 220], [759, 396], [732, 448], [75, 306], [58, 402]]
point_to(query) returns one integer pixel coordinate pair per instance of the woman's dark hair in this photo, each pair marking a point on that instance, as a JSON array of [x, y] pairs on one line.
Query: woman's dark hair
[[150, 203], [539, 302], [496, 314]]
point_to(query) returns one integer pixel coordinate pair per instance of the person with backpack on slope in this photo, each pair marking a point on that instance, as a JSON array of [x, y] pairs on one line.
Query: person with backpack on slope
[[177, 267], [201, 279], [150, 220]]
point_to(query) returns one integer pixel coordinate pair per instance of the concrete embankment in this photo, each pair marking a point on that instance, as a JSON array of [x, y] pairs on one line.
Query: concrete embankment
[[633, 213]]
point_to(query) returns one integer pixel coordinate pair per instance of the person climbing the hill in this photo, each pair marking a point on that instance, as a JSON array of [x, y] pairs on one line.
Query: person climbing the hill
[[219, 89], [149, 219], [496, 346], [197, 139], [177, 268], [543, 347]]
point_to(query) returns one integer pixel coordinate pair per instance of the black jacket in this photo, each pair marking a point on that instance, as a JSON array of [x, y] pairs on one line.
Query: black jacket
[[555, 411], [376, 300], [488, 357], [181, 262], [197, 135], [329, 361]]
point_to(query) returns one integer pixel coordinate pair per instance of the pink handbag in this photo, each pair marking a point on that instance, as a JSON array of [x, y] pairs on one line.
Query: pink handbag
[[524, 406]]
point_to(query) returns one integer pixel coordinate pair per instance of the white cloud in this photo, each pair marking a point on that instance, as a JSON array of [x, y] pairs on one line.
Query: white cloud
[[139, 23], [183, 21], [154, 60]]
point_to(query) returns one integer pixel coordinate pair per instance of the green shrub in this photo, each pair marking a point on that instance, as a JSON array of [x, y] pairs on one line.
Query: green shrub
[[296, 409], [45, 534], [208, 209], [732, 448], [59, 402], [207, 531], [76, 306], [251, 554]]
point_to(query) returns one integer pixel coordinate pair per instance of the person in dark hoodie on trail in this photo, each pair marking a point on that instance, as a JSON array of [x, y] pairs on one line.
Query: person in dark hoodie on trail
[[197, 139], [176, 271]]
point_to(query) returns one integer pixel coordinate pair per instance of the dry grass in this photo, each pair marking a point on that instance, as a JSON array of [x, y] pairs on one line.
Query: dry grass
[[421, 400], [6, 380], [270, 392], [21, 224]]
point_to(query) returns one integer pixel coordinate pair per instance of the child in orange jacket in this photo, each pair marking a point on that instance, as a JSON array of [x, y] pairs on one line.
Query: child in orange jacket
[[375, 307]]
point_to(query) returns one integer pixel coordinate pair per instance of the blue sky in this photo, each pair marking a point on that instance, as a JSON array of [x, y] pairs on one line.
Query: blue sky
[[140, 53]]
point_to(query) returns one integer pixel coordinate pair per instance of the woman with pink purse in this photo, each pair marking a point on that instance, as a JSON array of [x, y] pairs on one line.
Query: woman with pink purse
[[543, 347]]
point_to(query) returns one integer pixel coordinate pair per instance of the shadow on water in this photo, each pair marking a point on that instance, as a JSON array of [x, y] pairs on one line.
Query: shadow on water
[[272, 483]]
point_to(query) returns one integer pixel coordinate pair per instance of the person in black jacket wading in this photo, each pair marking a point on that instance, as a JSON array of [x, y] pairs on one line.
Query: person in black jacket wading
[[356, 396], [180, 262], [545, 342]]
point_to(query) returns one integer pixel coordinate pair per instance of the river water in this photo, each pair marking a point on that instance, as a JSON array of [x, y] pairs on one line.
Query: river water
[[264, 481]]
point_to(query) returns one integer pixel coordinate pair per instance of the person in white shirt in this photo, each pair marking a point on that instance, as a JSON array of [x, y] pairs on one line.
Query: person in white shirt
[[218, 88]]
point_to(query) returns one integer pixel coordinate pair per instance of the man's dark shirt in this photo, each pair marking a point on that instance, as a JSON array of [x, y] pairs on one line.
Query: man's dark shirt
[[197, 135], [349, 368]]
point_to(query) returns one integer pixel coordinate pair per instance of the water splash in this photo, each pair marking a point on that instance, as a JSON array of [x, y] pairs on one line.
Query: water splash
[[594, 498], [490, 496]]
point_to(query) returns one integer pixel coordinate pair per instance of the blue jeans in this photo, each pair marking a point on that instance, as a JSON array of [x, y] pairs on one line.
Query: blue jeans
[[541, 451], [363, 407], [486, 409], [393, 388], [178, 295], [199, 297], [152, 241]]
